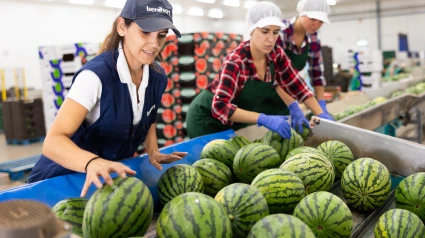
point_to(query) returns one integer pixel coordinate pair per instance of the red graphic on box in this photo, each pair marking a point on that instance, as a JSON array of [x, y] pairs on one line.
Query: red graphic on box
[[167, 100], [169, 131], [201, 66], [168, 116], [202, 81]]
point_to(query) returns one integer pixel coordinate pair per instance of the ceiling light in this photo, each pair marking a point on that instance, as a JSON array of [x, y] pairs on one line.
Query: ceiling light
[[196, 11], [177, 9], [231, 3], [215, 13], [249, 3], [331, 2], [361, 43], [82, 2], [207, 1], [115, 3]]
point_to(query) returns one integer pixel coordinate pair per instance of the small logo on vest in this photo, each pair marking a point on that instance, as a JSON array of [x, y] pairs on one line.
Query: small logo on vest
[[150, 110], [159, 9]]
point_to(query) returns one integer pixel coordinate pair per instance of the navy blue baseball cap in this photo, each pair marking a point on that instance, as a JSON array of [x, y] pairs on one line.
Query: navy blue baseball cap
[[150, 15]]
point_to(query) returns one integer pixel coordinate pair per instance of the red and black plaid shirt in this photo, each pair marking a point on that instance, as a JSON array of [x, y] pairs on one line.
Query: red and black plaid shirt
[[235, 72], [315, 60]]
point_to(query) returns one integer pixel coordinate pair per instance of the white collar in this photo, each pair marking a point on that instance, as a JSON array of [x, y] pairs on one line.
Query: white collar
[[124, 71]]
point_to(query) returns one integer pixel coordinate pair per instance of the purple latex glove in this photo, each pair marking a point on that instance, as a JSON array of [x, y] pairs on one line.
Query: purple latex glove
[[297, 118], [326, 116], [322, 104], [278, 124]]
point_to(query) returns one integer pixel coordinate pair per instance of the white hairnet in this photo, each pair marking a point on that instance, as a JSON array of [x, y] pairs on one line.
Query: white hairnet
[[263, 14], [316, 9]]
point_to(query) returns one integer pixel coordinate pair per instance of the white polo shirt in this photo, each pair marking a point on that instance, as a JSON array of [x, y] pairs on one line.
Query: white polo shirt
[[87, 89]]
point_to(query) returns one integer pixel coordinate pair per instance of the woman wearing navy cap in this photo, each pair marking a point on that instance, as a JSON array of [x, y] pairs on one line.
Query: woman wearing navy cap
[[112, 104]]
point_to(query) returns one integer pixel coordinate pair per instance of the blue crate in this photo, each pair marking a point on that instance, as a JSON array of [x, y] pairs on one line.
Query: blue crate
[[25, 142], [17, 168]]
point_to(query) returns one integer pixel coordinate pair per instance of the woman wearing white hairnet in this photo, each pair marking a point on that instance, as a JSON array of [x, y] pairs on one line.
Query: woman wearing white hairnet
[[254, 69], [302, 46]]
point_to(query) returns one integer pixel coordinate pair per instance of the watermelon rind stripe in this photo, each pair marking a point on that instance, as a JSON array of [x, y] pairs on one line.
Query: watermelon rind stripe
[[326, 214], [399, 223], [358, 178]]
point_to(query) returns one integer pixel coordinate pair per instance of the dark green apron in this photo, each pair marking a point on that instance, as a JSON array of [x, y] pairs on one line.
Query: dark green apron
[[273, 104], [199, 119]]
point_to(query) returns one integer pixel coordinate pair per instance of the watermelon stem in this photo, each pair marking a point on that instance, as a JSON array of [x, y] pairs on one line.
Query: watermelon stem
[[320, 227], [231, 217]]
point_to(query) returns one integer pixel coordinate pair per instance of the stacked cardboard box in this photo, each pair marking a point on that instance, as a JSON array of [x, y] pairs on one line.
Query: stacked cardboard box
[[58, 66], [23, 120], [195, 62]]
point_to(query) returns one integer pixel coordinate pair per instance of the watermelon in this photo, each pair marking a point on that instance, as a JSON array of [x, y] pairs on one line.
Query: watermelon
[[257, 140], [366, 184], [397, 223], [283, 190], [180, 178], [283, 146], [122, 210], [240, 141], [315, 170], [410, 194], [244, 204], [215, 175], [306, 133], [339, 153], [326, 214], [303, 149], [282, 226], [254, 159], [193, 214], [221, 150], [71, 210]]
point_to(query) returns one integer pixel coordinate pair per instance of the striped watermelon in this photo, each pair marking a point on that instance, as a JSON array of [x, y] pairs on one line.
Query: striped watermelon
[[180, 178], [71, 210], [315, 170], [339, 153], [303, 149], [254, 159], [306, 133], [366, 184], [122, 210], [326, 214], [257, 140], [193, 214], [221, 150], [399, 223], [283, 190], [244, 204], [280, 225], [410, 194], [283, 146], [240, 141], [215, 175]]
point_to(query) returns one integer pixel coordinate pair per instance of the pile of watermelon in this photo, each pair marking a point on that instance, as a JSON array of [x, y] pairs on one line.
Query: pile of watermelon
[[261, 188], [124, 209]]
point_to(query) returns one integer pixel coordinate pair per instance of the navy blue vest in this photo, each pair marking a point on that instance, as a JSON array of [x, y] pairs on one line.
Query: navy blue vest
[[112, 136]]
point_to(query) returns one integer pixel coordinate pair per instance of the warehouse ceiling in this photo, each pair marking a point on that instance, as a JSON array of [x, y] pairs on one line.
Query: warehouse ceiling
[[342, 10]]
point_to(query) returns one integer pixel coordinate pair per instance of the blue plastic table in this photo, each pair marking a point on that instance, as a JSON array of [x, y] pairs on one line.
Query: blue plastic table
[[51, 191]]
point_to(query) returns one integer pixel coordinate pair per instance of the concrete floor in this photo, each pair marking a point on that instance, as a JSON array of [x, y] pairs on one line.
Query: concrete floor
[[13, 152]]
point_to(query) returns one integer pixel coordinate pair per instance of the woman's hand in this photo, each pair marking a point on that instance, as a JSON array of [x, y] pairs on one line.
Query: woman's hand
[[101, 167], [156, 158]]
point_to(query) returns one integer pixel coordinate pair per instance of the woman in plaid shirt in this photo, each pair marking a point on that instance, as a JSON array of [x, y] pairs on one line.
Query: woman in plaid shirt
[[302, 46], [249, 74]]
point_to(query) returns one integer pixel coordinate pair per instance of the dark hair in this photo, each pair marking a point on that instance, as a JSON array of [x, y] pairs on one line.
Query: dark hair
[[113, 40]]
